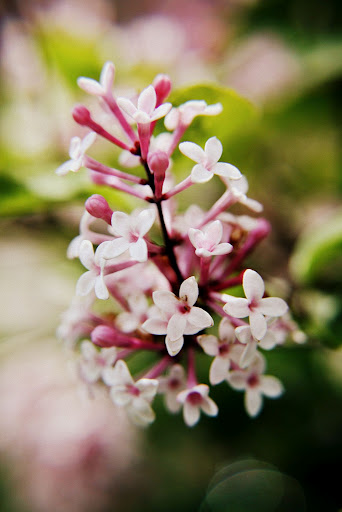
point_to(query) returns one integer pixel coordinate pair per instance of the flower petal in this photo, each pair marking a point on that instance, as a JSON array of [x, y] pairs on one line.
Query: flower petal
[[213, 150], [161, 111], [165, 300], [200, 174], [188, 291], [271, 386], [127, 106], [253, 285], [148, 388], [147, 100], [155, 326], [191, 414], [272, 306], [140, 412], [258, 324], [138, 250], [145, 221], [248, 354], [86, 254], [176, 326], [209, 343], [227, 170], [174, 346], [236, 306], [120, 223], [85, 283], [192, 151], [101, 291], [209, 407], [219, 370], [199, 318], [115, 248], [253, 402], [90, 86]]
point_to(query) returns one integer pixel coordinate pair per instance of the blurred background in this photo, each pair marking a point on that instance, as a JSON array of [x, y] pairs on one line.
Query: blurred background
[[60, 453]]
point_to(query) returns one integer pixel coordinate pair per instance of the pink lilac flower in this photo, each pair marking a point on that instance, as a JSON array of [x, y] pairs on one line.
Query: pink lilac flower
[[145, 112], [171, 385], [77, 150], [105, 84], [186, 113], [245, 336], [196, 400], [208, 161], [93, 361], [255, 384], [207, 242], [254, 305], [185, 317], [95, 263]]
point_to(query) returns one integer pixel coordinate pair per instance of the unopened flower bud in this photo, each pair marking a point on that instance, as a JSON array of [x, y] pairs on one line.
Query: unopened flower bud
[[162, 86], [158, 163], [98, 207], [105, 337], [81, 115]]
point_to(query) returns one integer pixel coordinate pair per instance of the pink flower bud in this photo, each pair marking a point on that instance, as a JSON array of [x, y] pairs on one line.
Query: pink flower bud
[[158, 163], [105, 337], [81, 115], [162, 86], [98, 207]]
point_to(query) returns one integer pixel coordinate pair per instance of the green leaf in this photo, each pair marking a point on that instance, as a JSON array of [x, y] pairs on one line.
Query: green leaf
[[317, 256], [16, 199], [238, 114]]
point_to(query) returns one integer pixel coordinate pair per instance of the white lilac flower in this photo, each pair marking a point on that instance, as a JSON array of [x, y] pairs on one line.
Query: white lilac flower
[[254, 305], [192, 216], [95, 263], [186, 113], [196, 400], [171, 385], [245, 336], [130, 230], [145, 112], [183, 316], [207, 241], [135, 397], [73, 250], [223, 349], [93, 361], [208, 161], [105, 84], [75, 320], [255, 384], [161, 142], [77, 150], [239, 189]]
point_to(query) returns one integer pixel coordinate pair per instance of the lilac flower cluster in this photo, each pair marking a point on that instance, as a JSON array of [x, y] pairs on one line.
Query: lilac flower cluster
[[167, 274]]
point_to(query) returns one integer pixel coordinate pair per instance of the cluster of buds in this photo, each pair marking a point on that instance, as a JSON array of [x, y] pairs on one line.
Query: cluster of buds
[[167, 274]]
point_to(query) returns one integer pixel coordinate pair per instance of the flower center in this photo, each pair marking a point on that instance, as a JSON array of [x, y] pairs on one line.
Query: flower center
[[174, 384], [224, 349], [253, 380], [133, 390], [195, 398]]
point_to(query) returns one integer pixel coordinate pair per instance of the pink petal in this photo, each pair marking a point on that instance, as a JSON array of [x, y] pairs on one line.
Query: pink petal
[[75, 147], [258, 324], [90, 86], [253, 402], [253, 285], [188, 291], [122, 373], [200, 174], [88, 349], [268, 341], [192, 151], [236, 306], [213, 110], [88, 141], [272, 306], [147, 100], [213, 150], [127, 106]]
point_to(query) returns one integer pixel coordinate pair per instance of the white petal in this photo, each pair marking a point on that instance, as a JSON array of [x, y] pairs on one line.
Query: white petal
[[253, 285], [63, 169], [86, 254], [238, 380], [120, 395], [142, 117], [271, 386], [127, 106], [221, 249], [176, 326], [145, 221], [213, 150], [269, 341], [88, 140], [107, 76], [165, 300], [174, 346], [209, 343], [218, 370], [75, 147], [226, 330], [248, 354], [115, 248], [138, 250], [227, 170], [253, 402], [88, 349], [85, 283], [214, 232], [236, 306], [209, 407], [258, 324], [172, 119], [171, 402], [191, 414], [90, 371], [121, 223], [243, 334], [110, 377], [188, 291], [148, 388], [161, 111], [101, 291], [200, 174], [122, 373], [155, 326], [140, 412], [213, 110], [192, 151], [147, 100], [90, 86], [272, 306], [199, 318], [252, 204]]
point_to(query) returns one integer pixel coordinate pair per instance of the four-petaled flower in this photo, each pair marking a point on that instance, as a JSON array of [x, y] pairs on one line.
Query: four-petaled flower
[[207, 242], [208, 161], [145, 111], [95, 264], [171, 385], [223, 349], [195, 400], [245, 336], [105, 84], [130, 230], [255, 384], [186, 113], [135, 397], [77, 150], [93, 361], [183, 316], [254, 306]]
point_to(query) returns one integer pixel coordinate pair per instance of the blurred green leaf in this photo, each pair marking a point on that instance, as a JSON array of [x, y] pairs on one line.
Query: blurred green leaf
[[15, 198]]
